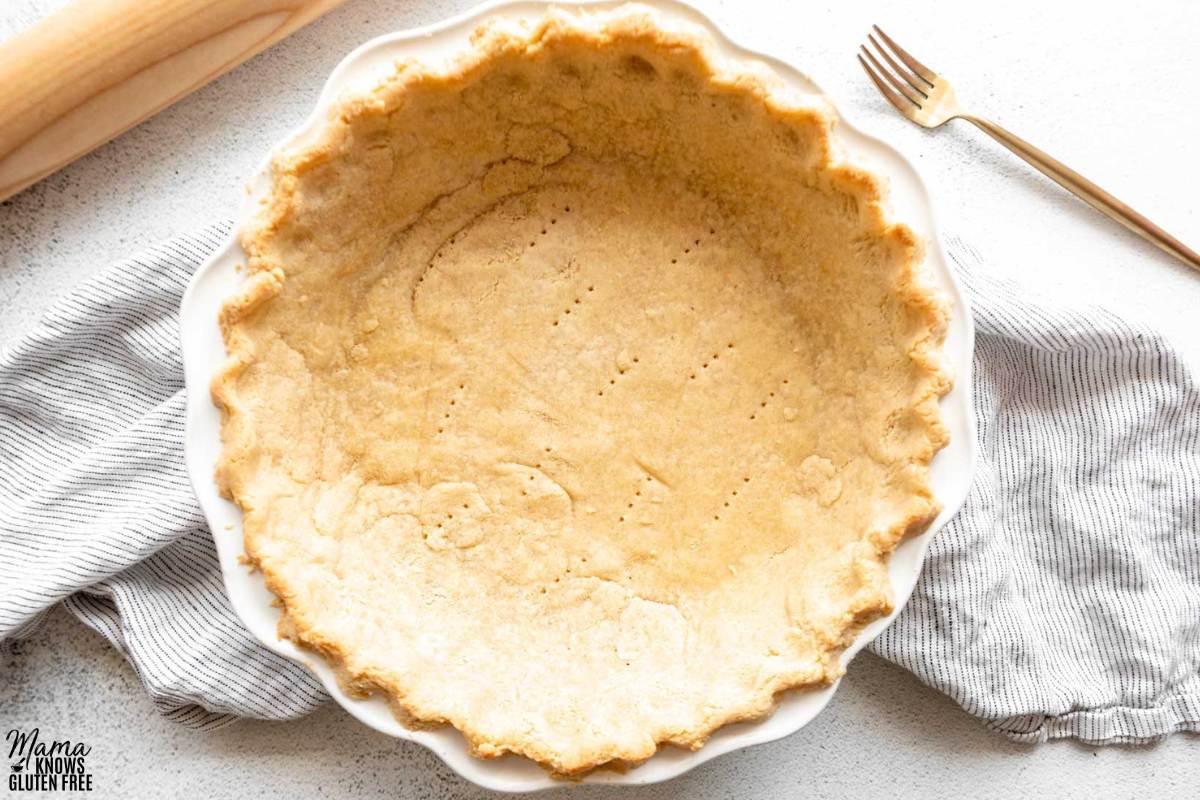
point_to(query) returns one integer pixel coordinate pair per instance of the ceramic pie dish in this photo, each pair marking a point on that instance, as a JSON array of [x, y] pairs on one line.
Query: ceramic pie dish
[[461, 566]]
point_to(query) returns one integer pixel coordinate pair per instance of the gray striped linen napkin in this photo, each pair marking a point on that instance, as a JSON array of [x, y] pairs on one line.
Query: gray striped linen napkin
[[1063, 601]]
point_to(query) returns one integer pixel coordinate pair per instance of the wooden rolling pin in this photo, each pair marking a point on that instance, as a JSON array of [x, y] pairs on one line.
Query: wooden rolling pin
[[98, 67]]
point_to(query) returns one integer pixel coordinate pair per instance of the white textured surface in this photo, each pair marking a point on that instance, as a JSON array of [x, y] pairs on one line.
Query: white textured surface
[[883, 733]]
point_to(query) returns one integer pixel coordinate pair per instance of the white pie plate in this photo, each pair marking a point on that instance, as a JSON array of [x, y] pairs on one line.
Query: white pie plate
[[203, 353]]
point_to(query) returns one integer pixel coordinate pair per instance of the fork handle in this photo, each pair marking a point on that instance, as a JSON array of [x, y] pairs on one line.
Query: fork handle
[[1089, 192]]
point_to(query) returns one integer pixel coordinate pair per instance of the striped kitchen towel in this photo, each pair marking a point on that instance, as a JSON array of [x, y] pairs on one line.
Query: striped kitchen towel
[[1063, 601]]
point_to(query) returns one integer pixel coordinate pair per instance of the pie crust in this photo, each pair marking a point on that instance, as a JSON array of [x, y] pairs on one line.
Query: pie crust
[[577, 392]]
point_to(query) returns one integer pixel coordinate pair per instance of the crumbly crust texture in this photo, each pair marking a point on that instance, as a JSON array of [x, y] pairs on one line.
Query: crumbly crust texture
[[577, 392]]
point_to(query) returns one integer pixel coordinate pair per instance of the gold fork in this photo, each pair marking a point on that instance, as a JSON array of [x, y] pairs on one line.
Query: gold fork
[[927, 99]]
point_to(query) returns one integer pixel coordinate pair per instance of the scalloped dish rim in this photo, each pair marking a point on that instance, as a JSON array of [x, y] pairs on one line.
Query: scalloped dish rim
[[203, 355]]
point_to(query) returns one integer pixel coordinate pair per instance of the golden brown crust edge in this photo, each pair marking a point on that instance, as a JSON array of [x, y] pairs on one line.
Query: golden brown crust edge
[[265, 280]]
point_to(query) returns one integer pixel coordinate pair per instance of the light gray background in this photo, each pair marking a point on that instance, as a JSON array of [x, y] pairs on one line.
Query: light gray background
[[1110, 87]]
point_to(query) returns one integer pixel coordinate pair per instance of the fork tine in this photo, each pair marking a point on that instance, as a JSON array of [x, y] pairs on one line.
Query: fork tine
[[901, 104], [899, 85], [926, 74], [915, 81]]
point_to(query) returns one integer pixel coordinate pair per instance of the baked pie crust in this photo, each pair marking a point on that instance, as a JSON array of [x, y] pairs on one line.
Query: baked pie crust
[[577, 392]]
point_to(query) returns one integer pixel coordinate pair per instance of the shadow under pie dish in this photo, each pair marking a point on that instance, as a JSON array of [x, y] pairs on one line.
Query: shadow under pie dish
[[577, 393]]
